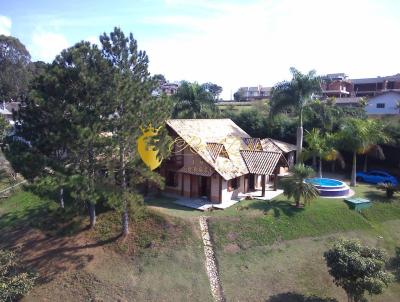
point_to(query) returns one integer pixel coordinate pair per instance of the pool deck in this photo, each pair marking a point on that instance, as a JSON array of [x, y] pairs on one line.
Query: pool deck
[[203, 204]]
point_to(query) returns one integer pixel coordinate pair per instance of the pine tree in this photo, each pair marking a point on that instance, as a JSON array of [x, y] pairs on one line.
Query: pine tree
[[65, 116], [134, 109]]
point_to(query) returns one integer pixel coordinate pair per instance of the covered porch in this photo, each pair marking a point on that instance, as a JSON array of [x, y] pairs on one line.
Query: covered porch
[[264, 167]]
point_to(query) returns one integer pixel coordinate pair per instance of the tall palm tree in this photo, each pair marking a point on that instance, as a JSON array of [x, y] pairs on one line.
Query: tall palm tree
[[295, 187], [193, 101], [322, 146], [295, 94], [357, 136]]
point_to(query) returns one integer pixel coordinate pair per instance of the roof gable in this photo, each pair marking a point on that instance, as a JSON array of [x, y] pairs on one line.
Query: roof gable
[[205, 137]]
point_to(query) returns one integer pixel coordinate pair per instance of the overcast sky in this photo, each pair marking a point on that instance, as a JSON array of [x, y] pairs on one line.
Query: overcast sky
[[231, 43]]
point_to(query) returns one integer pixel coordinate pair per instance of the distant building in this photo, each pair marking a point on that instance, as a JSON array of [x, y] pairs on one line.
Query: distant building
[[252, 93], [373, 86], [7, 109], [384, 104], [340, 86], [336, 85], [349, 101], [166, 88]]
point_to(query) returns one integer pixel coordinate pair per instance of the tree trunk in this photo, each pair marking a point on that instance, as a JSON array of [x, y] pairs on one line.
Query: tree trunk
[[62, 198], [314, 162], [125, 222], [299, 138], [299, 144], [125, 215], [353, 182], [320, 167], [365, 169], [297, 201], [92, 215]]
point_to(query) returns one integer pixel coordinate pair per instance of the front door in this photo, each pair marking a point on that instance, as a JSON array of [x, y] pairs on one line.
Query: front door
[[205, 186]]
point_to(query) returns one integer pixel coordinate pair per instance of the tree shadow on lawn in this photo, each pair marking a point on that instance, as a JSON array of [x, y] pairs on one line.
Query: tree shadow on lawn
[[54, 221], [295, 297], [379, 196], [51, 255], [276, 206]]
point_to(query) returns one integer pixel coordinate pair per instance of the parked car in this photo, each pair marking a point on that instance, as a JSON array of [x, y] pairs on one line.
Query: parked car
[[376, 176]]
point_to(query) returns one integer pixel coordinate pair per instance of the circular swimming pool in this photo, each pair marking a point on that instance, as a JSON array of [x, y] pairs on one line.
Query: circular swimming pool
[[325, 182], [328, 187]]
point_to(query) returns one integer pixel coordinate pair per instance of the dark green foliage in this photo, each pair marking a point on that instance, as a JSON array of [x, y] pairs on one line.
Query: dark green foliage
[[213, 88], [134, 109], [389, 188], [14, 66], [15, 282], [295, 95], [193, 100], [295, 187], [64, 119], [358, 269]]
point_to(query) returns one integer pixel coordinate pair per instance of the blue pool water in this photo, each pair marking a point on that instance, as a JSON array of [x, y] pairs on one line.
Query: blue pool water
[[324, 182]]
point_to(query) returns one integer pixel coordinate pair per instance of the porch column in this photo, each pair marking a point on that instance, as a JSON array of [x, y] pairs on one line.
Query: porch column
[[263, 185], [275, 181]]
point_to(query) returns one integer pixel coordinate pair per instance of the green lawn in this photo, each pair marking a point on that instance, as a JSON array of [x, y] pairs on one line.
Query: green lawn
[[270, 251], [266, 251], [161, 260]]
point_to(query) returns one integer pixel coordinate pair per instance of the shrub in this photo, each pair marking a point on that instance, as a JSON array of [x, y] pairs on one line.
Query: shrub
[[14, 281]]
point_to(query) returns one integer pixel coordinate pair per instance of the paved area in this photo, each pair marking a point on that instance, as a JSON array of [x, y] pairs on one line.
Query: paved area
[[257, 194], [203, 204]]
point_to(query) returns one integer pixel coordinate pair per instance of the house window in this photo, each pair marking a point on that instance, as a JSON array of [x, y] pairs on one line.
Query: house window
[[172, 179], [233, 184], [380, 105]]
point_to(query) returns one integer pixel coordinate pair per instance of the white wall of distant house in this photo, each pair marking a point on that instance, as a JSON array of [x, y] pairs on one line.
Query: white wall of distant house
[[390, 101]]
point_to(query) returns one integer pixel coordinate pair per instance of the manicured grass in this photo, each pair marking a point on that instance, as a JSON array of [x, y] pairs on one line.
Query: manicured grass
[[270, 251]]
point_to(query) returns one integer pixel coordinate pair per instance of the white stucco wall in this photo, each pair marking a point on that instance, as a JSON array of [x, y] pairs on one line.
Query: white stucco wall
[[390, 100], [226, 195]]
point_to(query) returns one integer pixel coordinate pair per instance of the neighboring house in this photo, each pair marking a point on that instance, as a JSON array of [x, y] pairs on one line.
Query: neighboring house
[[384, 104], [6, 113], [336, 85], [216, 160], [349, 102], [166, 88], [340, 86], [373, 86], [252, 93]]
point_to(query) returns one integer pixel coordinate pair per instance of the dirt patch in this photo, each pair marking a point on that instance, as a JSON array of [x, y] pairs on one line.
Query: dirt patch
[[232, 236], [231, 248], [50, 255]]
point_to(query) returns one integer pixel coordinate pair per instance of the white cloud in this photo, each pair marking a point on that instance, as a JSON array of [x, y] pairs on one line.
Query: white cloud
[[46, 46], [256, 43], [5, 26]]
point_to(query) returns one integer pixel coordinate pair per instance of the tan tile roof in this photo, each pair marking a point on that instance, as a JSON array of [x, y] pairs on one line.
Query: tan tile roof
[[261, 162], [253, 143], [194, 170], [268, 143], [198, 132]]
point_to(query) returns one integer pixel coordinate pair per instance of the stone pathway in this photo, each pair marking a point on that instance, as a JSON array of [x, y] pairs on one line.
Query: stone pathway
[[211, 263]]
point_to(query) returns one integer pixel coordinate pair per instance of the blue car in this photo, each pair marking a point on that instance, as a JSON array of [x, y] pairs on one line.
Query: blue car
[[376, 176]]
